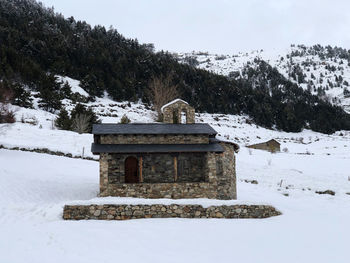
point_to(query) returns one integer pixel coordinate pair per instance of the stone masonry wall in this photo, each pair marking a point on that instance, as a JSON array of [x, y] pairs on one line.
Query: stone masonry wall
[[191, 167], [154, 139], [227, 177], [217, 178], [103, 172], [116, 167], [177, 108], [125, 212], [158, 168], [162, 190]]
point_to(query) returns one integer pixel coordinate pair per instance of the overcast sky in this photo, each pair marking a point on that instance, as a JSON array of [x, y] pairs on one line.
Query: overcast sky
[[218, 26]]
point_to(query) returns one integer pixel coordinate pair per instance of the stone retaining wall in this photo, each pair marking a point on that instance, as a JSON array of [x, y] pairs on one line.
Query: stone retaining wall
[[125, 212]]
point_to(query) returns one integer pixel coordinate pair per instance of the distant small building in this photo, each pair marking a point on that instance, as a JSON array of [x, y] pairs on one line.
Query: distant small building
[[175, 159], [271, 146]]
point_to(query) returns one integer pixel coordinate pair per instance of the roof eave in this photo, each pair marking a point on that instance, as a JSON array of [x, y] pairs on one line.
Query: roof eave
[[155, 148]]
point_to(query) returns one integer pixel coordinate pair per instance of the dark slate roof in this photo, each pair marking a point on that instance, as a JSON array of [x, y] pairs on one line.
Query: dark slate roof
[[264, 143], [155, 148], [235, 145], [153, 128]]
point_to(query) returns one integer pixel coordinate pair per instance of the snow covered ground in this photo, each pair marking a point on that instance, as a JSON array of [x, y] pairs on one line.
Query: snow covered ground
[[35, 187], [313, 228]]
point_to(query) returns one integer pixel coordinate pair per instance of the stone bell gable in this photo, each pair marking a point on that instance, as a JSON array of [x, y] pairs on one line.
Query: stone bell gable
[[178, 111]]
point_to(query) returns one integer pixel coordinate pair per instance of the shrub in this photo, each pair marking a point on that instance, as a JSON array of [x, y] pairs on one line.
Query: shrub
[[125, 120], [32, 120], [6, 115]]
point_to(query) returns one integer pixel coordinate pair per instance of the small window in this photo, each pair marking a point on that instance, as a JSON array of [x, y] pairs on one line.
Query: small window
[[183, 117]]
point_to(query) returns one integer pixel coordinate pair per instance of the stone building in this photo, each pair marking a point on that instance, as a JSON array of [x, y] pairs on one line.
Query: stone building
[[271, 146], [165, 160]]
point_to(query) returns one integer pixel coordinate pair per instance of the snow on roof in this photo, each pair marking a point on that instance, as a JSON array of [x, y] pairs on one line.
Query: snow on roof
[[171, 102]]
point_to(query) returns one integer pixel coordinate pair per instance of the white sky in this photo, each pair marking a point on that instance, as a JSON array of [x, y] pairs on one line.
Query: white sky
[[218, 26]]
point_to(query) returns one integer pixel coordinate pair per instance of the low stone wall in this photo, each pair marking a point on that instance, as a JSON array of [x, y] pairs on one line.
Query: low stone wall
[[125, 212], [162, 190], [47, 151]]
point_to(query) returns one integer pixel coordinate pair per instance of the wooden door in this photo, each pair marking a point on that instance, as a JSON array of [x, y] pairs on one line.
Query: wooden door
[[131, 168]]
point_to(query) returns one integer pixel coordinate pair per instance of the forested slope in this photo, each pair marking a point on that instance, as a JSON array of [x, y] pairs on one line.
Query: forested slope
[[36, 44]]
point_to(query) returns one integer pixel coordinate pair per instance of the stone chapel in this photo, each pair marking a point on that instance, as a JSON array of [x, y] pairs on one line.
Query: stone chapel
[[174, 159]]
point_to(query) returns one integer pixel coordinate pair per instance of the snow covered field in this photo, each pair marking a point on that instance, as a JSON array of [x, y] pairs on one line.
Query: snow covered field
[[35, 187], [313, 228]]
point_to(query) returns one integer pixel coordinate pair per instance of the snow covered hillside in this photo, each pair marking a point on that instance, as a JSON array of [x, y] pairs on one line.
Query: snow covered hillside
[[324, 71], [34, 188], [35, 128]]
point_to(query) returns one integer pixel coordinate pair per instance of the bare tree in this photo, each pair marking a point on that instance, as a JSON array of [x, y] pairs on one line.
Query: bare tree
[[6, 114], [161, 91], [81, 123]]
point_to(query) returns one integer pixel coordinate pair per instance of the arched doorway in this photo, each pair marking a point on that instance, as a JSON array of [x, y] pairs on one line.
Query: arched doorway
[[131, 168]]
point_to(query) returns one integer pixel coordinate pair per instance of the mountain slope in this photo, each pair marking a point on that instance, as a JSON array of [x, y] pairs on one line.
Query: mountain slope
[[323, 71], [37, 45]]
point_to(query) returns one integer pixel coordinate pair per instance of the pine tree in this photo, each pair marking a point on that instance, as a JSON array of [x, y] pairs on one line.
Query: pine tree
[[66, 90], [63, 120], [50, 100], [49, 93], [90, 85], [22, 97]]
